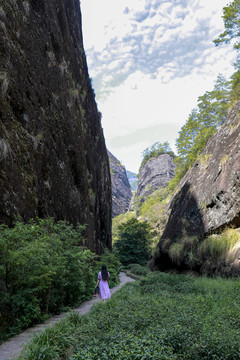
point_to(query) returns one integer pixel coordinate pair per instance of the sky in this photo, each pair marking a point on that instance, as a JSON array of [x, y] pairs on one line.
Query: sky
[[149, 61]]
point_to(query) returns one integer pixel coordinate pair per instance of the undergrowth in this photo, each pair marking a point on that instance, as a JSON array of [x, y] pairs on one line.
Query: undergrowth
[[162, 317]]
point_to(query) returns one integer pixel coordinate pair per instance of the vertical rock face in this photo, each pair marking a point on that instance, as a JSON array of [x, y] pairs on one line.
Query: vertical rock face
[[121, 190], [53, 160], [208, 197], [157, 172]]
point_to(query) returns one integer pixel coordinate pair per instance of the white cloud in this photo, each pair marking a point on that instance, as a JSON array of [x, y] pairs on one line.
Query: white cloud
[[150, 60]]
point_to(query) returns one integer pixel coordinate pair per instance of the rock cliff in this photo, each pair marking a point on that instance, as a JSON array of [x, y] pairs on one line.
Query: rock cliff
[[53, 160], [207, 199], [155, 173], [121, 190]]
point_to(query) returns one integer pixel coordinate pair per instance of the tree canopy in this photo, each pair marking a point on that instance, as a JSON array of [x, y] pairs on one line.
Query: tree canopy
[[133, 243], [203, 121], [156, 149], [231, 18]]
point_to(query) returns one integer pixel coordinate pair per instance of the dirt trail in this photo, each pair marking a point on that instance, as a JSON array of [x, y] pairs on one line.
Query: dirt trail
[[13, 347]]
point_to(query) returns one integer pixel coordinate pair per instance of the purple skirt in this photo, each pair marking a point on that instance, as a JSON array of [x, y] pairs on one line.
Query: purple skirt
[[103, 287]]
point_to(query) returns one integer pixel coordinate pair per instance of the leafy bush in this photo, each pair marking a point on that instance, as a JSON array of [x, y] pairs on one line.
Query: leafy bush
[[133, 244], [162, 317], [118, 220], [43, 269], [139, 270]]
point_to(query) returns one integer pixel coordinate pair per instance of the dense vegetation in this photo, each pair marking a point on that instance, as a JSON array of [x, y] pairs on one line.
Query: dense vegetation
[[44, 269], [162, 317], [133, 243]]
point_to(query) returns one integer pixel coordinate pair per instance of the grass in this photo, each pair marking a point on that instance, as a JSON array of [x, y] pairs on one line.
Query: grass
[[162, 317], [220, 250]]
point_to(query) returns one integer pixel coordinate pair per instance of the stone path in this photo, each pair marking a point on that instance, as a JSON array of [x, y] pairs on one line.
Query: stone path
[[13, 347]]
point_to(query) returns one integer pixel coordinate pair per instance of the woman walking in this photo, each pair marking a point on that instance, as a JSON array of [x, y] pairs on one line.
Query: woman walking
[[103, 281]]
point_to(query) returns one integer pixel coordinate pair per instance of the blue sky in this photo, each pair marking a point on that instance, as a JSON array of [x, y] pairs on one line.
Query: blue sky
[[149, 60]]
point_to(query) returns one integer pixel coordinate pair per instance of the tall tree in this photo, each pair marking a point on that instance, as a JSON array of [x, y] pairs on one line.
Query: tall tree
[[203, 122], [231, 18]]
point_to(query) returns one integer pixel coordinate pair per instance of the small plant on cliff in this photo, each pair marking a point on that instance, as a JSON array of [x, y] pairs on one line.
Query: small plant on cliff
[[217, 250]]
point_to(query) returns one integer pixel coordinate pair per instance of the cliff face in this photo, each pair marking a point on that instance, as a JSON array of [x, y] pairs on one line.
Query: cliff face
[[157, 172], [207, 199], [121, 190], [53, 160]]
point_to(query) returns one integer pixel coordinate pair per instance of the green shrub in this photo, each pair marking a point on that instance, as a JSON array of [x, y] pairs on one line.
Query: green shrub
[[133, 244], [43, 270], [118, 220], [139, 270]]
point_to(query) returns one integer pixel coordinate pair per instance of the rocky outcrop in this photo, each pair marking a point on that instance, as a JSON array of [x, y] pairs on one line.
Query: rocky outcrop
[[53, 160], [155, 173], [121, 190], [207, 199]]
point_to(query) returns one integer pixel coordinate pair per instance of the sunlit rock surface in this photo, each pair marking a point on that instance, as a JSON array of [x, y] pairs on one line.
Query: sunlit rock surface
[[53, 160], [157, 172], [121, 189]]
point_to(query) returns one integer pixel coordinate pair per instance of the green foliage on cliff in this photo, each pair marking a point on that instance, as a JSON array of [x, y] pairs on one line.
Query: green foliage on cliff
[[133, 243], [231, 18], [43, 270], [155, 150], [163, 317], [201, 124]]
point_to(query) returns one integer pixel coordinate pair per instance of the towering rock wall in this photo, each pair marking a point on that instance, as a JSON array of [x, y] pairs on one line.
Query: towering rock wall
[[53, 160], [208, 197], [157, 172], [121, 189]]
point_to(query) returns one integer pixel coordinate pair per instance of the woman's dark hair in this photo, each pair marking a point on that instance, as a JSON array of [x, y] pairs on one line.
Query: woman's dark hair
[[104, 272]]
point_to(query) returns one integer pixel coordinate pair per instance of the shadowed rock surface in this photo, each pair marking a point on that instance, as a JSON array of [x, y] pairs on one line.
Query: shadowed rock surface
[[53, 160], [121, 189], [207, 198], [157, 172]]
